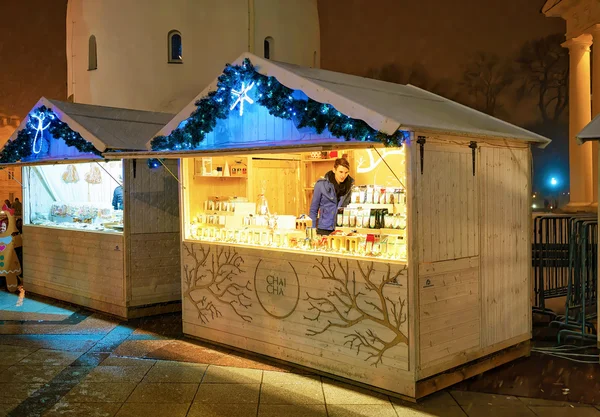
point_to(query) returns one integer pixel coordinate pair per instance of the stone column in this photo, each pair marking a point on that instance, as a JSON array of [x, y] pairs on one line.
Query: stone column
[[580, 156], [595, 32]]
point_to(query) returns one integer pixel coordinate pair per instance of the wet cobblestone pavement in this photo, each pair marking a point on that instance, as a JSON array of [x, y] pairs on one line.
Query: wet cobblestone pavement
[[61, 360]]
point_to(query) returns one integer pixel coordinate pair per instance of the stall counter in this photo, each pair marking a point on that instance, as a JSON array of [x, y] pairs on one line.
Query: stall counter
[[78, 266], [341, 315]]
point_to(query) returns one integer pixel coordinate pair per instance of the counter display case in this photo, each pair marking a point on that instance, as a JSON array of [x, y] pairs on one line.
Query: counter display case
[[77, 196]]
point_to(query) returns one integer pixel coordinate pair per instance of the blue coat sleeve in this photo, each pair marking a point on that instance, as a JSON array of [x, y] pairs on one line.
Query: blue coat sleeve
[[314, 205]]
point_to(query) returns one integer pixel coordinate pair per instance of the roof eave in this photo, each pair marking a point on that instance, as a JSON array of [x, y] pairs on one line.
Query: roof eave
[[64, 117], [294, 81]]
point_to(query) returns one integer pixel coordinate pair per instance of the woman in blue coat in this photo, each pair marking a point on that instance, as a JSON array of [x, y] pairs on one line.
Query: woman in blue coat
[[331, 192]]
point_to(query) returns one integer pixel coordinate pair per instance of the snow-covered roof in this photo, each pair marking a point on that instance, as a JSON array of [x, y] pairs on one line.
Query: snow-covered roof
[[590, 132], [384, 106], [105, 127]]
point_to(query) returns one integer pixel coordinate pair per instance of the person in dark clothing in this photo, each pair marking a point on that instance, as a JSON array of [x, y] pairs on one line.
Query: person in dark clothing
[[18, 207], [331, 192], [117, 201]]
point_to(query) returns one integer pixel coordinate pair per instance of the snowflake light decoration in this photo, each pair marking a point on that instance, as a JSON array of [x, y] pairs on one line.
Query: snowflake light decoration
[[39, 130], [241, 96]]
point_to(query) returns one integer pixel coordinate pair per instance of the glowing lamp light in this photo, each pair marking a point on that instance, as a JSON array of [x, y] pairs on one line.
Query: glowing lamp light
[[534, 206], [241, 96], [553, 181], [153, 163]]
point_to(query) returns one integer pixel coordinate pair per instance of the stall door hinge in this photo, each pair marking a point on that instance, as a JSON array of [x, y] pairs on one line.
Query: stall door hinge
[[421, 141], [473, 146]]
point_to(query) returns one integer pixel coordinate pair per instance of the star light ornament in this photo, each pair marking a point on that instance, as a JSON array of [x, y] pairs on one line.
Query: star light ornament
[[39, 130], [241, 96]]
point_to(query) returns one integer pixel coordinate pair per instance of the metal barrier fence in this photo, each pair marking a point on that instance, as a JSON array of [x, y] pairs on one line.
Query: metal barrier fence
[[564, 261], [582, 296], [550, 257]]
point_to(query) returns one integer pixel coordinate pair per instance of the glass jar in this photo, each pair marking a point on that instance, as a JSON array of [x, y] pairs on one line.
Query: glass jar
[[356, 196], [352, 221], [373, 219], [388, 221], [262, 206], [366, 219], [346, 218]]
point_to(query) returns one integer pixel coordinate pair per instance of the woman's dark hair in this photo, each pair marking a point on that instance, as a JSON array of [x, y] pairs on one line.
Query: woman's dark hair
[[343, 162]]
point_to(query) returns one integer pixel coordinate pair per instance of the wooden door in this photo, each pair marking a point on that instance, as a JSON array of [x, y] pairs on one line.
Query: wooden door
[[448, 256], [281, 182]]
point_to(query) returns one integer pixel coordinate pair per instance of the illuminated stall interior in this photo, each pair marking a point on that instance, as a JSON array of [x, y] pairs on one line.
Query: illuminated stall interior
[[264, 200], [78, 196]]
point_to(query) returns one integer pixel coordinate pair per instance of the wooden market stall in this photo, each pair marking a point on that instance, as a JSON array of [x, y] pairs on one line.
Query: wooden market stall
[[86, 241], [439, 283]]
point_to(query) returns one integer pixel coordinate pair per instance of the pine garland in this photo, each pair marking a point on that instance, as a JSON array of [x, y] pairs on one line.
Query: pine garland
[[22, 146], [280, 102]]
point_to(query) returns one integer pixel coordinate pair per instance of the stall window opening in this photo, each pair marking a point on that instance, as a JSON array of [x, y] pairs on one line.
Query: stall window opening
[[78, 196]]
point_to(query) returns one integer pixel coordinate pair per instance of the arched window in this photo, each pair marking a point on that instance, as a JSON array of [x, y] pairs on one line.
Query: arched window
[[92, 54], [175, 47], [268, 47]]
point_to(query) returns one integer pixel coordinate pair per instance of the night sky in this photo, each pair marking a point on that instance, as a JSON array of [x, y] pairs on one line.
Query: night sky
[[356, 36], [33, 60]]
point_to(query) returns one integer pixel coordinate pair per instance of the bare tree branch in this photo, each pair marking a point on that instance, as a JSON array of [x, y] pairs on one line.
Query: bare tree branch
[[216, 283], [343, 305]]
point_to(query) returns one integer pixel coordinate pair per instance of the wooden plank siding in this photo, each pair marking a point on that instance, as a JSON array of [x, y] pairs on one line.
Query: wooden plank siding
[[152, 233], [449, 311], [448, 221], [290, 302], [153, 197], [82, 267], [505, 244], [257, 126]]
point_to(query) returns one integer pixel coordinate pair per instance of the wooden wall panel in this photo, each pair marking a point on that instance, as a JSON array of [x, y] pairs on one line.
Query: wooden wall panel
[[155, 272], [281, 182], [505, 243], [257, 127], [153, 197], [449, 311], [81, 267], [448, 224], [152, 233], [313, 310]]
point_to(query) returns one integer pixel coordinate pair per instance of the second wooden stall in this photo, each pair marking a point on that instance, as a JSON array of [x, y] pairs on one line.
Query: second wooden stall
[[102, 235]]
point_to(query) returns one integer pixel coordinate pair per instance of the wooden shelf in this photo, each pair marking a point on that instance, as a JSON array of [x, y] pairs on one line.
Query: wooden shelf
[[364, 230], [321, 160], [221, 176]]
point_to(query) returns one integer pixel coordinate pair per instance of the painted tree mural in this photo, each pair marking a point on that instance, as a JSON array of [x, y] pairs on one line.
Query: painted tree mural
[[209, 281], [346, 306]]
